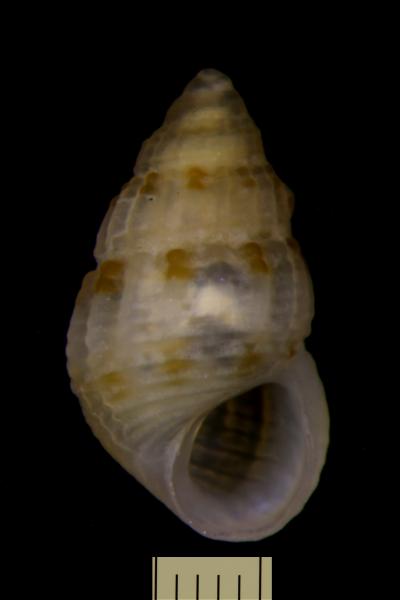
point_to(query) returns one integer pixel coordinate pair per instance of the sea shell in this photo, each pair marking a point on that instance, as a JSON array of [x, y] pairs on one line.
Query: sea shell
[[186, 343]]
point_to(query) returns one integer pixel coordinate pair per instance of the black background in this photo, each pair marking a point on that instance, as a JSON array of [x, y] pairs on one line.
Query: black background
[[91, 112]]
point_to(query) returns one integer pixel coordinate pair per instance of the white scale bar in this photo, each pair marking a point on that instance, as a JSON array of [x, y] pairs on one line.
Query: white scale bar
[[212, 578]]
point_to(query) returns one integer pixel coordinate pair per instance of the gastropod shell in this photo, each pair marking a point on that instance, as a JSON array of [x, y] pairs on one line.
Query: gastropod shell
[[186, 345]]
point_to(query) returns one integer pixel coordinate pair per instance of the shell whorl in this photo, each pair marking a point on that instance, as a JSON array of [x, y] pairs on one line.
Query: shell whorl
[[200, 295], [209, 113]]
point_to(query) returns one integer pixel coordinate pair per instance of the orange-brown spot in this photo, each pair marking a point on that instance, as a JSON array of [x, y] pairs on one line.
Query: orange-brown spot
[[150, 183], [250, 359], [242, 171], [292, 349], [113, 384], [112, 379], [247, 182], [176, 366], [110, 277], [178, 264], [196, 177], [148, 188], [252, 253]]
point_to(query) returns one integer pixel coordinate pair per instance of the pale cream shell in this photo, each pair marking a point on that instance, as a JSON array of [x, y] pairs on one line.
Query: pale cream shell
[[200, 295]]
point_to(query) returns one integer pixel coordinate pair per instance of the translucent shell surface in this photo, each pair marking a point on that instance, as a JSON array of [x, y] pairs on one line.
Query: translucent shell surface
[[186, 344]]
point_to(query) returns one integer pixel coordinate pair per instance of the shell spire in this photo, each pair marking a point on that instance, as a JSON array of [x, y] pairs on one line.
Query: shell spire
[[186, 343], [209, 114], [205, 166]]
